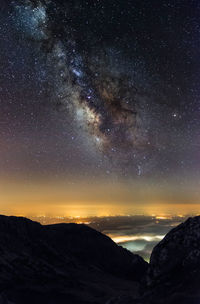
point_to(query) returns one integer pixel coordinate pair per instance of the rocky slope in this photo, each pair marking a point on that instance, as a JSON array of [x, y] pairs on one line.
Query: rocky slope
[[174, 272], [63, 263]]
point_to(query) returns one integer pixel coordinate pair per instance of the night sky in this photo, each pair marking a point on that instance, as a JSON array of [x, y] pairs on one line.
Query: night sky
[[104, 91]]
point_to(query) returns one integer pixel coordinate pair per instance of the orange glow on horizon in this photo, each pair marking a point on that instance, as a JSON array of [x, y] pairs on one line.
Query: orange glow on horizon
[[103, 198]]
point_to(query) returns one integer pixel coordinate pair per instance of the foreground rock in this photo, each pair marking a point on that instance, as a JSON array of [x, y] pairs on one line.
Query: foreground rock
[[174, 273], [63, 263]]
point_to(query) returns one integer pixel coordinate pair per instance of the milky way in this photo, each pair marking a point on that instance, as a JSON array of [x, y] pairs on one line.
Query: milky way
[[97, 86], [125, 85]]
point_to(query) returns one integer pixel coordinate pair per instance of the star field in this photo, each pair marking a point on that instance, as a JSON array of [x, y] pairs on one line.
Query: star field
[[100, 88]]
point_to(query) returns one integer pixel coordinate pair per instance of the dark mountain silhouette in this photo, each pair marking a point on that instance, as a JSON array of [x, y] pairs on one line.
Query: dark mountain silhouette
[[63, 263], [75, 264]]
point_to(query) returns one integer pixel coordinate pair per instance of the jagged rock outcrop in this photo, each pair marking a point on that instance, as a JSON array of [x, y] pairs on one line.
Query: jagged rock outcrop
[[63, 263], [174, 272]]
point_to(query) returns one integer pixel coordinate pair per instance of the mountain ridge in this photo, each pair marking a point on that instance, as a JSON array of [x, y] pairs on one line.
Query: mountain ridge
[[62, 262]]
